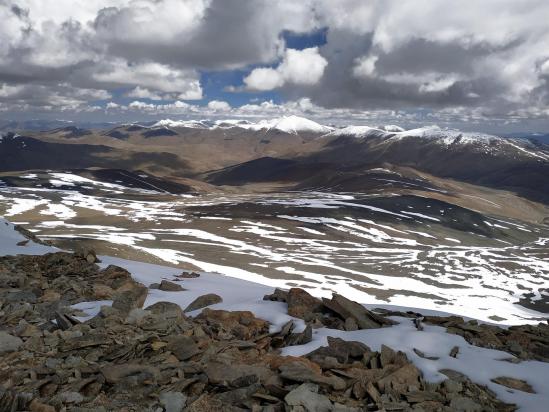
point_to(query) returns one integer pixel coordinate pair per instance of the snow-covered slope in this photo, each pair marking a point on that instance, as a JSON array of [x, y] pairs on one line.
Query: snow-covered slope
[[288, 124], [480, 364], [14, 243], [193, 124], [447, 137], [292, 124]]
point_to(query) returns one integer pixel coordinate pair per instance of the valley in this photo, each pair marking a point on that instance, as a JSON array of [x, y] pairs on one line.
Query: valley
[[403, 242]]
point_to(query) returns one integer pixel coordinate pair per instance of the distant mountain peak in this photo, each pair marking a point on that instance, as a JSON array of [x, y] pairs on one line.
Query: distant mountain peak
[[295, 124]]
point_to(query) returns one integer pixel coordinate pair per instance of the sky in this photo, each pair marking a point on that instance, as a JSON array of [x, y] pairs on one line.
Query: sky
[[474, 65]]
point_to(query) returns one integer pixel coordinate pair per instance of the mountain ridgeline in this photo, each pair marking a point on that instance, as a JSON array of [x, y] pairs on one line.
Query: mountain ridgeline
[[294, 152]]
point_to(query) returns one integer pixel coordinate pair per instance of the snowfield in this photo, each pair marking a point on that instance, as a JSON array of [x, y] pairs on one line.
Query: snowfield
[[324, 242]]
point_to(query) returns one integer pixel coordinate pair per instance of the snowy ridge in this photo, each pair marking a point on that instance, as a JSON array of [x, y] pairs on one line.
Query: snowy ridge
[[193, 124], [289, 124], [486, 142], [292, 124]]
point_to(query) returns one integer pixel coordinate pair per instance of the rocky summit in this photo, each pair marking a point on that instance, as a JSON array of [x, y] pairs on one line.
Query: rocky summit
[[158, 358]]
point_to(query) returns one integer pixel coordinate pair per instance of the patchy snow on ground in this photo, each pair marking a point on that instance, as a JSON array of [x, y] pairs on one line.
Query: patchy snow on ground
[[9, 239], [479, 364]]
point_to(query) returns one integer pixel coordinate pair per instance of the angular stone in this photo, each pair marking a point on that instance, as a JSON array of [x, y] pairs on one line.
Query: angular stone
[[165, 308], [116, 373], [278, 295], [37, 406], [401, 380], [114, 276], [86, 253], [513, 383], [9, 343], [350, 324], [390, 357], [173, 401], [71, 397], [168, 286], [452, 386], [346, 308], [136, 316], [102, 292], [65, 321], [203, 301], [188, 275], [463, 404], [240, 324], [301, 372], [130, 299], [306, 395], [235, 375], [206, 403], [301, 304], [183, 347], [339, 349]]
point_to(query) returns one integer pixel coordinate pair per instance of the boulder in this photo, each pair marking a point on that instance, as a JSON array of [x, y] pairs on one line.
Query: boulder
[[168, 286], [203, 301], [306, 395], [278, 295], [102, 292], [242, 325], [346, 308], [513, 383], [168, 309], [463, 404], [130, 299], [188, 275], [183, 347], [9, 343], [86, 253], [343, 351], [114, 276], [301, 304], [401, 380], [172, 401]]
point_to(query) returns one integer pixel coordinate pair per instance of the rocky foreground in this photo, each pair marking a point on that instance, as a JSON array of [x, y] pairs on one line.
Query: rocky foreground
[[158, 358]]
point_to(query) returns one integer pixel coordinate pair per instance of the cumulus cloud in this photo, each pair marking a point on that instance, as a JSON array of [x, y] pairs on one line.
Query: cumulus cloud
[[298, 67], [219, 106], [486, 57], [183, 83], [143, 93]]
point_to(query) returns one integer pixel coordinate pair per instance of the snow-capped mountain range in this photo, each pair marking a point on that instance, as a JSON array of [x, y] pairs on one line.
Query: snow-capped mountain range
[[288, 124], [391, 133]]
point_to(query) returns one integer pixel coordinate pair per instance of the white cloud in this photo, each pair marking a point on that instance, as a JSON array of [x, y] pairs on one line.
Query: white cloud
[[300, 67], [155, 76], [143, 93], [491, 54], [112, 105], [219, 106], [304, 67], [365, 66], [262, 79], [7, 90], [165, 21]]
